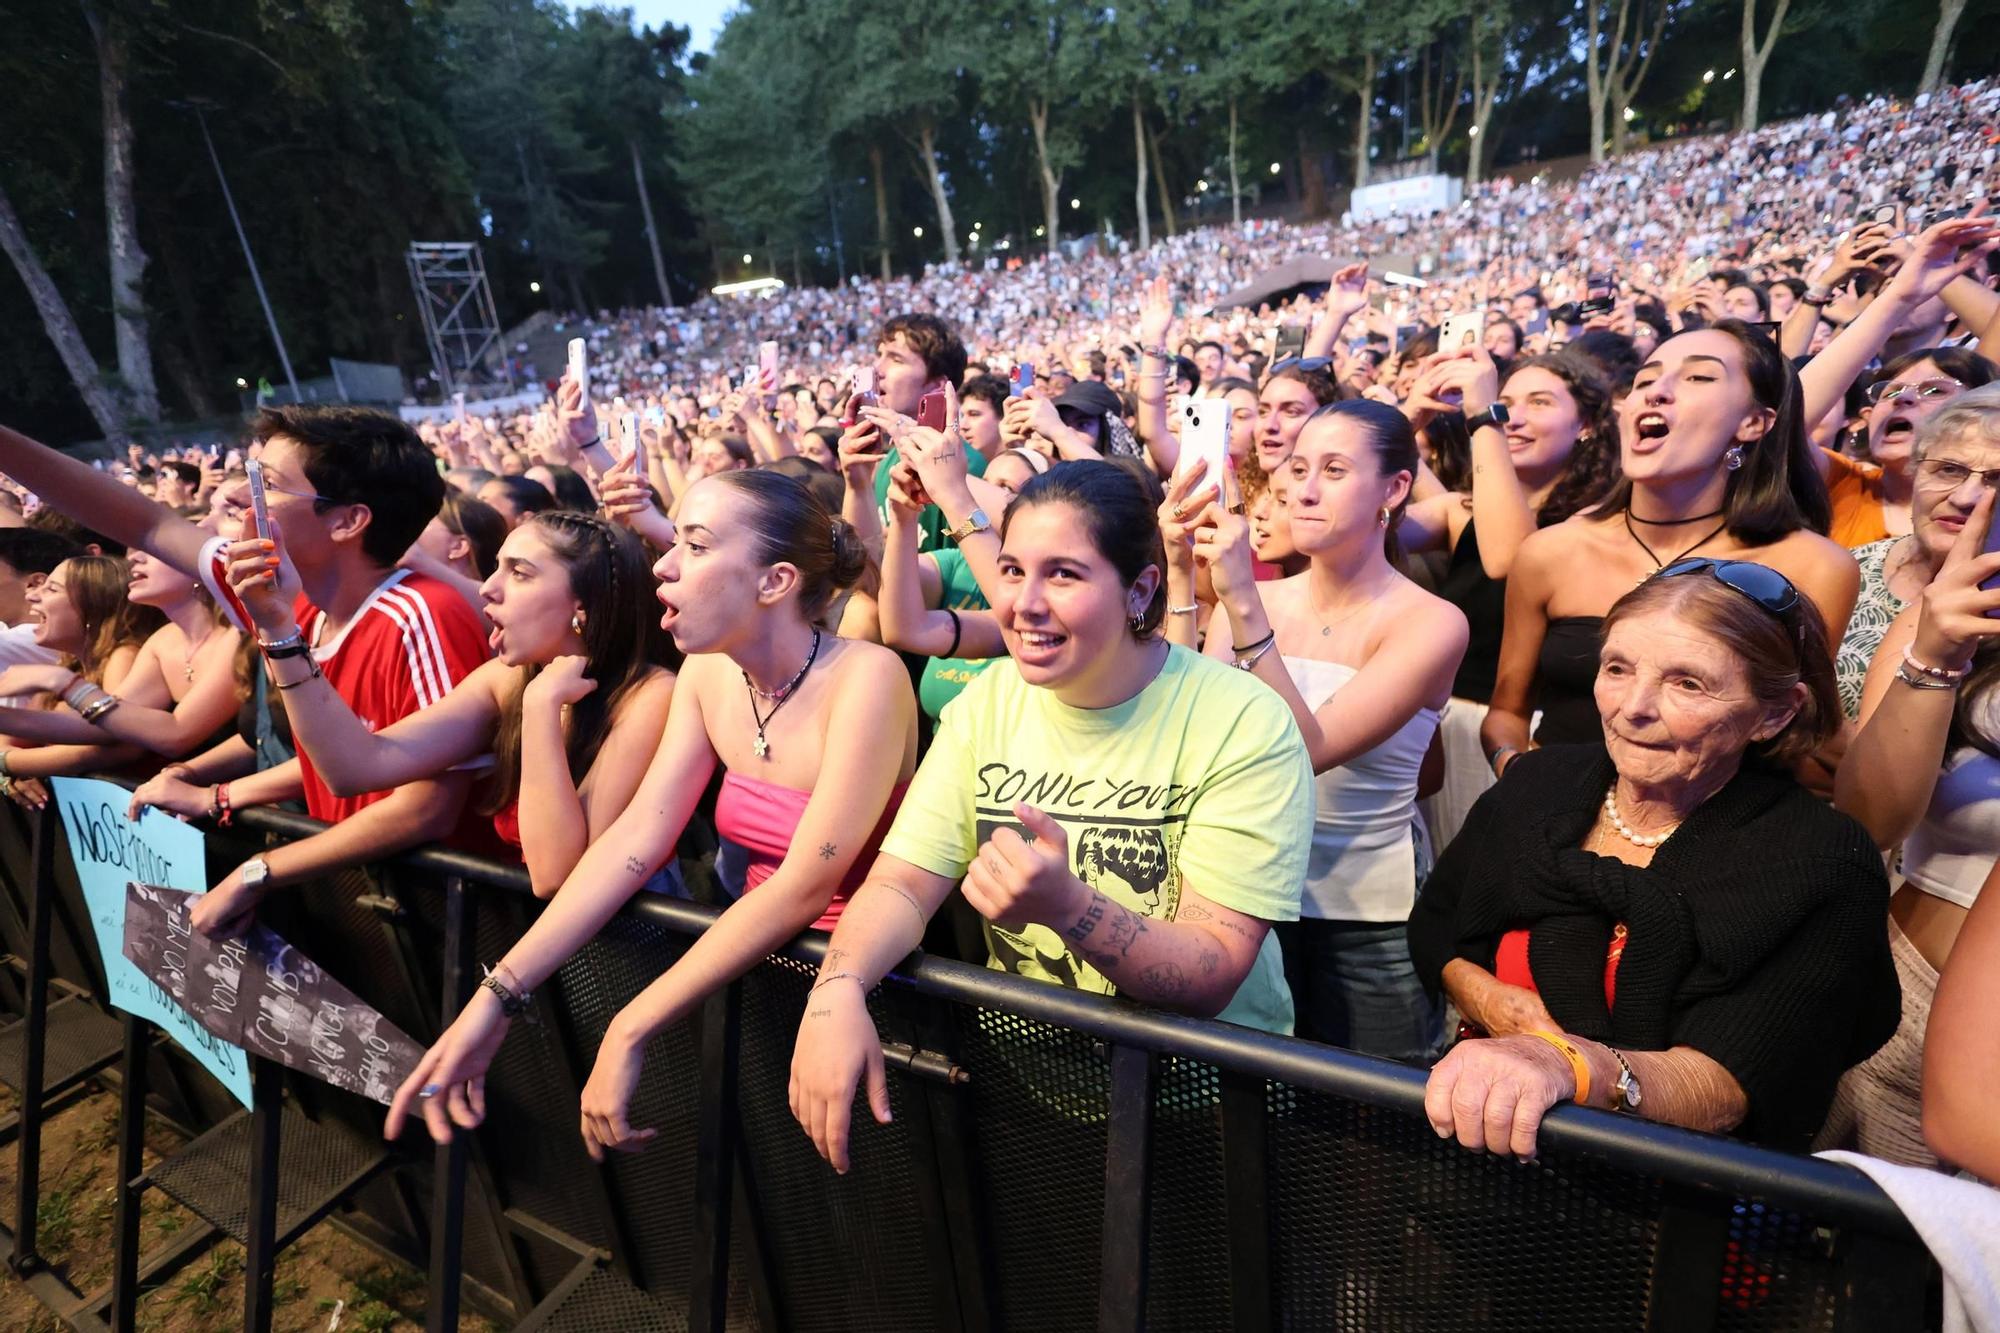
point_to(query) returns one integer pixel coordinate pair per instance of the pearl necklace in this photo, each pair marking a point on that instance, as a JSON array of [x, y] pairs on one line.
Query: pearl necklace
[[1624, 829]]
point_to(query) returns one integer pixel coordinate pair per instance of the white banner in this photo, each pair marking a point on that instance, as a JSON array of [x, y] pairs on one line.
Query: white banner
[[1412, 194]]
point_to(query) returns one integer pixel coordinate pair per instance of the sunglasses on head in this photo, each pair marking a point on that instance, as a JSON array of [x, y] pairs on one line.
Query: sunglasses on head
[[1760, 583], [1300, 363]]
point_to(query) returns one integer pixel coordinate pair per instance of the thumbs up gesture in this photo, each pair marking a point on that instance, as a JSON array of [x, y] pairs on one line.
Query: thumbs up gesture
[[1013, 881]]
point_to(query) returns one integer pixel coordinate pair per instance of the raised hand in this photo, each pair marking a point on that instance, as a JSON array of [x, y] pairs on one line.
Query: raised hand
[[1347, 294]]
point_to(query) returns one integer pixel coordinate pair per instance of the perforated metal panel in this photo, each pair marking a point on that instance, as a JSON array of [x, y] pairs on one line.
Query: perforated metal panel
[[1189, 1252], [1780, 1271], [80, 1035], [211, 1175]]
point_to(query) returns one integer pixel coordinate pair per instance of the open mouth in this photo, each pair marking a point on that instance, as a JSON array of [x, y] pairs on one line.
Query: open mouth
[[1038, 646], [1898, 430], [1650, 426]]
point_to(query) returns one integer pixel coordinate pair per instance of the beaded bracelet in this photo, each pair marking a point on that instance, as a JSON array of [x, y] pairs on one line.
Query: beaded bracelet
[[1934, 672], [1918, 682]]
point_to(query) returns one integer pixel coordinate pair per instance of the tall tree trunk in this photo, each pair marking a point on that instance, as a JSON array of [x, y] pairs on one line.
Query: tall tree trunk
[[1941, 35], [1235, 185], [181, 371], [877, 171], [1160, 183], [1038, 119], [1755, 54], [1594, 72], [1366, 114], [927, 146], [128, 260], [1139, 188], [104, 406], [1484, 94], [1312, 177], [652, 232]]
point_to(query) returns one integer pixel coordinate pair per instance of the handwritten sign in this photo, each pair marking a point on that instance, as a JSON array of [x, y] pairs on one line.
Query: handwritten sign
[[263, 995], [110, 850]]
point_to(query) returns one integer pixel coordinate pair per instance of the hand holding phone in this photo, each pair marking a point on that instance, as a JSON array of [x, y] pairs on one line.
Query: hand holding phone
[[635, 445], [1205, 442], [862, 395], [579, 366], [931, 410], [1462, 331], [1024, 378], [767, 367]]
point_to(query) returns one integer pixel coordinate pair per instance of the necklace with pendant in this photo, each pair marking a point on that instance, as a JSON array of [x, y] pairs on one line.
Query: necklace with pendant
[[1325, 625], [187, 662], [761, 747]]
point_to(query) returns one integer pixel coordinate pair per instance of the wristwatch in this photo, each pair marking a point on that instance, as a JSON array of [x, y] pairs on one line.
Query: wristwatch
[[1496, 415], [256, 874], [976, 521], [1625, 1094]]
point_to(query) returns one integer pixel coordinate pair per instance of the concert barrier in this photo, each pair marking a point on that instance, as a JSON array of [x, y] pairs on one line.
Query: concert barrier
[[1055, 1160]]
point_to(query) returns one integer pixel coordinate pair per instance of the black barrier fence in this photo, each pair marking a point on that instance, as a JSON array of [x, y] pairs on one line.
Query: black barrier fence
[[1055, 1160]]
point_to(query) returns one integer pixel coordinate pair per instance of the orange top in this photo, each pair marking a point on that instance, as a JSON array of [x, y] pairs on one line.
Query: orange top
[[1855, 488]]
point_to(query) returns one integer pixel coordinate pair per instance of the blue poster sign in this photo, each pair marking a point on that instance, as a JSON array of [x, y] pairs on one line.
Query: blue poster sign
[[111, 850]]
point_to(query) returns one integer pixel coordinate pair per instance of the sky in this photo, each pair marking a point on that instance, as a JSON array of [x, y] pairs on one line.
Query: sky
[[703, 18]]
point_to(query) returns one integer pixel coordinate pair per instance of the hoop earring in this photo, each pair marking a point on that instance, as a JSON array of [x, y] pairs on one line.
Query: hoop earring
[[1382, 519], [1733, 459], [576, 622]]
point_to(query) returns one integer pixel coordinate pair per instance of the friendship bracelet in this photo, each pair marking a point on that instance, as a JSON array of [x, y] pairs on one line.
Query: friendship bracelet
[[1918, 682], [1190, 609], [1247, 663], [1266, 641], [1579, 1066], [1934, 672]]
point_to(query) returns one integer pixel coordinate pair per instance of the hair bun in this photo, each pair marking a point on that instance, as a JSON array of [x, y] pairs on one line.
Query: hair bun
[[850, 554]]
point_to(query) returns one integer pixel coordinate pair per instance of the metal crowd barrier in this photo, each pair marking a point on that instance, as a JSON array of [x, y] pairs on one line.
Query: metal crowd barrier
[[1055, 1160]]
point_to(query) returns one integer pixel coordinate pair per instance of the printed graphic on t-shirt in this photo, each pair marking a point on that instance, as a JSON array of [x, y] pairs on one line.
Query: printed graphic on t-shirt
[[1124, 841]]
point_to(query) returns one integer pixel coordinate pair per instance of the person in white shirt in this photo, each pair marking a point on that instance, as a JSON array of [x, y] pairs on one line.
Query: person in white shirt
[[26, 557]]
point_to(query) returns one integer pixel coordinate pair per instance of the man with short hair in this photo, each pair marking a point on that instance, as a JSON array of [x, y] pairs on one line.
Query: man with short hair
[[1208, 359], [981, 405], [915, 354], [349, 490], [27, 557]]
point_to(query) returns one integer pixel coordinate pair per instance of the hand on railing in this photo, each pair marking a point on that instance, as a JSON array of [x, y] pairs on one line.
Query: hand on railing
[[837, 1046]]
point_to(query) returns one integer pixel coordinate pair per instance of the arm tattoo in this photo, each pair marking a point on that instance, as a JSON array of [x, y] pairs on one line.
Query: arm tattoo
[[818, 1013], [827, 851], [1165, 981], [636, 866], [1126, 928], [832, 963], [1081, 928]]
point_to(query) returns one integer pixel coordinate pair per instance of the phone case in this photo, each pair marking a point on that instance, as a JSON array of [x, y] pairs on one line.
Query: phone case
[[579, 365]]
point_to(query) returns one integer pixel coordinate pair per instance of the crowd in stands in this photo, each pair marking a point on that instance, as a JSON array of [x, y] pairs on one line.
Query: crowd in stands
[[1604, 707]]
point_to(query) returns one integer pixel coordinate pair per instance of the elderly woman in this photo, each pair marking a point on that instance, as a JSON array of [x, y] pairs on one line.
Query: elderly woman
[[1668, 925]]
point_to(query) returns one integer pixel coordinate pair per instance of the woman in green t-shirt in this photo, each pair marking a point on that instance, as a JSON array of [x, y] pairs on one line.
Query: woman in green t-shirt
[[1127, 815]]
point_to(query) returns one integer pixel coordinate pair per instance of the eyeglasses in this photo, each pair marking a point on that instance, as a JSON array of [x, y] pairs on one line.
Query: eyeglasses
[[1948, 474], [1926, 391], [1760, 583], [314, 496], [1284, 363]]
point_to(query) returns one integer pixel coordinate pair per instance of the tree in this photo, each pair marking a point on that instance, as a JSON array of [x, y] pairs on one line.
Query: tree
[[1615, 63], [61, 326], [1035, 57], [1486, 40], [1941, 35], [121, 218], [1755, 54]]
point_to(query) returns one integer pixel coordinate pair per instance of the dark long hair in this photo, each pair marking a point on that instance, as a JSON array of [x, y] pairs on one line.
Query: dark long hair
[[1122, 518], [1592, 468], [1778, 489], [609, 574]]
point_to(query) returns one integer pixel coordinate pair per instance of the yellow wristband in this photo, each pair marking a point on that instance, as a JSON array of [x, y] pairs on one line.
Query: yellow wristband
[[1578, 1065]]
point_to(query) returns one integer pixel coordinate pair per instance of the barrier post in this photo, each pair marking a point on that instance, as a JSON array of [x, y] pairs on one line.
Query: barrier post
[[715, 1159], [1128, 1189], [260, 1246], [21, 1256], [132, 1076], [448, 1175], [1246, 1202]]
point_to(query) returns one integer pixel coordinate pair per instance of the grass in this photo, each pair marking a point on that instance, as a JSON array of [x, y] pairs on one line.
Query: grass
[[202, 1287], [55, 1220]]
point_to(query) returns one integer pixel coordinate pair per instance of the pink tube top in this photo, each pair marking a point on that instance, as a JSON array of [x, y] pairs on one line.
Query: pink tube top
[[761, 818]]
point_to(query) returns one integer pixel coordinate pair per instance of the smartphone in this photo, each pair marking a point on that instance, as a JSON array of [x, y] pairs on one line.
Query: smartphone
[[1205, 440], [1698, 269], [861, 395], [458, 405], [628, 426], [1869, 214], [930, 410], [1024, 378], [1461, 331], [1598, 282], [767, 362], [259, 512], [579, 366]]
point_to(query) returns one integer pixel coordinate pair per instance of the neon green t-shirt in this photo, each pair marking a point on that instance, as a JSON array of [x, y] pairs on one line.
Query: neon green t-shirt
[[944, 677], [1201, 775], [930, 523]]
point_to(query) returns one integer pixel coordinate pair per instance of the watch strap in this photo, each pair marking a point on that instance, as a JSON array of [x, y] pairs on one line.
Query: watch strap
[[976, 521]]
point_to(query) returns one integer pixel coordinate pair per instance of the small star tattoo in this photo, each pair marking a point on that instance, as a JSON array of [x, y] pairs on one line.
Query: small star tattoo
[[827, 851]]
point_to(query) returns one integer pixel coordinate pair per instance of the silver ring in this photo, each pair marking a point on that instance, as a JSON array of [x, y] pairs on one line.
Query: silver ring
[[430, 1090]]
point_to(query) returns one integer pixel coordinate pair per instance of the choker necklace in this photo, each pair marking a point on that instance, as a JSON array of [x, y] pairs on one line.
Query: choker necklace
[[782, 696], [1624, 829], [1672, 522], [1659, 564]]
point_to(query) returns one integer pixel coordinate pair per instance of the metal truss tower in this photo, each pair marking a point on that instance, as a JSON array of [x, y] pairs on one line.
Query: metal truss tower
[[460, 323]]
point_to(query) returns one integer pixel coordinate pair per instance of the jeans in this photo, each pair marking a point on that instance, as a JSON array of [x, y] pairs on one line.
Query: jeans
[[1355, 987]]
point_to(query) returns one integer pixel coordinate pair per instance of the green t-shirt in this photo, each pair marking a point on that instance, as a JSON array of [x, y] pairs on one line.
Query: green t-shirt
[[931, 522], [944, 677], [1201, 775]]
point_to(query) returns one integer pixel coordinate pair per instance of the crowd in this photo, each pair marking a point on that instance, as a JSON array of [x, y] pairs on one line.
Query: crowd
[[1601, 707]]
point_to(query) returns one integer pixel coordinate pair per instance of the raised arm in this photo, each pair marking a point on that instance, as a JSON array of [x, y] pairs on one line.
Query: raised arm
[[1346, 295], [1156, 319], [1504, 733], [101, 502]]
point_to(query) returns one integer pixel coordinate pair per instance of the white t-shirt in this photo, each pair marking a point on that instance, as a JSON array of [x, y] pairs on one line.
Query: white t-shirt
[[18, 648]]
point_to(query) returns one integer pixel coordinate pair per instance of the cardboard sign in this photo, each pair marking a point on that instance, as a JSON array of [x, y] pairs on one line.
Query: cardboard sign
[[109, 851], [261, 994]]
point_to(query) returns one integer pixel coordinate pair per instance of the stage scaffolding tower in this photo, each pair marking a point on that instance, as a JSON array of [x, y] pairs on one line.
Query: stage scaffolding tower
[[460, 323]]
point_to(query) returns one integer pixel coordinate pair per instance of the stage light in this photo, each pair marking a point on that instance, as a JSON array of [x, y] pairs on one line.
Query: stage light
[[1202, 186], [1274, 168], [1076, 203], [917, 232], [746, 259], [1708, 76], [242, 383], [534, 286]]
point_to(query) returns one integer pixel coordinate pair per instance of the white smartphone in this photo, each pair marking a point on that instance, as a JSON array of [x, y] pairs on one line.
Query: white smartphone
[[579, 366], [1461, 331], [634, 446], [259, 512], [458, 405], [1205, 440]]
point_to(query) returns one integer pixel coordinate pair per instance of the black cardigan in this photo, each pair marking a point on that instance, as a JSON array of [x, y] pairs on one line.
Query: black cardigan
[[1758, 935]]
